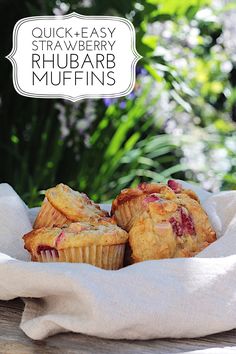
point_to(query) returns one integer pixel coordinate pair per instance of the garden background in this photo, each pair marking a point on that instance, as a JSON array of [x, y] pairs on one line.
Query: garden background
[[178, 122]]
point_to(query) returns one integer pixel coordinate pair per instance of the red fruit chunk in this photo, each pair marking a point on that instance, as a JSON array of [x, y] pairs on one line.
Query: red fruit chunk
[[142, 186], [151, 198], [59, 238], [187, 222], [175, 186], [176, 226], [43, 248]]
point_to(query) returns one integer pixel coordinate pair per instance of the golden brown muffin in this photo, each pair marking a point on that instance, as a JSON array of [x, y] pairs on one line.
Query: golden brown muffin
[[100, 243], [129, 203], [63, 205], [163, 221]]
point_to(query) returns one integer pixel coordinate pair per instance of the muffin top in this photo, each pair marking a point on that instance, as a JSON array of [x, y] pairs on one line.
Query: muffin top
[[104, 231], [169, 191], [131, 202], [74, 205], [169, 228]]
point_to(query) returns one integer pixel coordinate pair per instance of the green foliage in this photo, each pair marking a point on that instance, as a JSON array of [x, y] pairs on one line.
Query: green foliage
[[176, 123]]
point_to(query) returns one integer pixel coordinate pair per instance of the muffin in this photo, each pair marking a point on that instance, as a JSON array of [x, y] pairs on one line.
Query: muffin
[[163, 221], [62, 205], [129, 203], [100, 243]]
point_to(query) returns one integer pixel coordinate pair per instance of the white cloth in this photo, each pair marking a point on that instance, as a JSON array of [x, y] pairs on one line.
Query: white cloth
[[14, 222], [168, 298]]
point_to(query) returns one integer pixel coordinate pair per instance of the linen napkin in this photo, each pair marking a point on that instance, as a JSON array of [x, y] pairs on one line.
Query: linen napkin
[[14, 222], [186, 297]]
